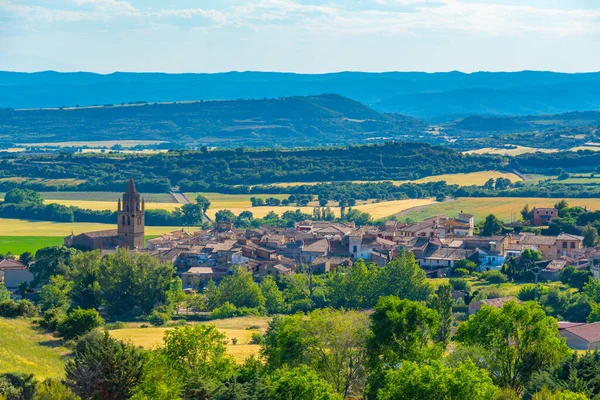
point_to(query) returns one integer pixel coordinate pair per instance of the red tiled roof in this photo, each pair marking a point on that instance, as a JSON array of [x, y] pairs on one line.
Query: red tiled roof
[[7, 264], [588, 332]]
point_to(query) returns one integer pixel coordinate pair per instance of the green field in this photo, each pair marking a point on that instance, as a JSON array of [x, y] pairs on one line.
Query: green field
[[25, 349], [21, 244], [481, 207]]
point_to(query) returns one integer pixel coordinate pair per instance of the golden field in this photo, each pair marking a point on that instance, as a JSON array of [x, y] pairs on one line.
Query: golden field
[[227, 201], [98, 143], [232, 327], [518, 150], [501, 207], [472, 178], [21, 227]]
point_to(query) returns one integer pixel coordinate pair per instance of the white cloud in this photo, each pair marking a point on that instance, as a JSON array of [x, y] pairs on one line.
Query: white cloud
[[188, 13]]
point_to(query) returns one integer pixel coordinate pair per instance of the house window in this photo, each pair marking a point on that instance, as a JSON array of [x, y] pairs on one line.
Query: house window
[[572, 245], [123, 220], [564, 245], [128, 221], [355, 249]]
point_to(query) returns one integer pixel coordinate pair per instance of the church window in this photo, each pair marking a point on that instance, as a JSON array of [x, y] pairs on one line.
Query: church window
[[128, 221], [123, 220]]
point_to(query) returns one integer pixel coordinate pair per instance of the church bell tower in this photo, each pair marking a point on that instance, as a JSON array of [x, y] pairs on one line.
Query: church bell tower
[[131, 218]]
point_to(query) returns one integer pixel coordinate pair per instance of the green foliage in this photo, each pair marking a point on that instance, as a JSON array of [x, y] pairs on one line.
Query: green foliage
[[55, 294], [519, 340], [228, 310], [274, 301], [493, 276], [158, 318], [134, 281], [527, 214], [23, 196], [491, 226], [527, 292], [197, 351], [53, 317], [402, 330], [590, 236], [49, 261], [79, 322], [460, 284], [301, 383], [424, 382], [20, 308], [460, 272], [121, 366], [442, 302], [18, 386], [465, 264], [85, 274], [52, 389], [4, 293], [240, 290]]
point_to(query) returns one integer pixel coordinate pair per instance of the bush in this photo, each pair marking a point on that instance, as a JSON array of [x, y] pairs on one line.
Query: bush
[[14, 309], [17, 386], [527, 292], [79, 322], [158, 318], [257, 338], [228, 310], [459, 284], [114, 325], [493, 276], [53, 317], [460, 272]]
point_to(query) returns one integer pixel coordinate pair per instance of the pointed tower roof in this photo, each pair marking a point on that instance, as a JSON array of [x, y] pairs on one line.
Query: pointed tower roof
[[131, 186]]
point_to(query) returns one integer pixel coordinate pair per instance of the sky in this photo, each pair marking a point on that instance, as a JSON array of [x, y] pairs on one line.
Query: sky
[[304, 36]]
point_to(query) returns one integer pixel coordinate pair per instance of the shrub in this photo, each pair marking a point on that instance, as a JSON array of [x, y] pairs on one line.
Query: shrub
[[257, 338], [21, 308], [460, 272], [17, 386], [228, 310], [493, 276], [53, 317], [114, 325], [460, 306], [459, 284], [158, 318], [79, 322]]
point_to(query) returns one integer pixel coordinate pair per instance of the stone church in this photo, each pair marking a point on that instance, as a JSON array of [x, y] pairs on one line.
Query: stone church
[[130, 227]]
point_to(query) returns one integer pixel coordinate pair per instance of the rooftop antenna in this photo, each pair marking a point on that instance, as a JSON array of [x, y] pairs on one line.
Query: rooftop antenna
[[381, 159]]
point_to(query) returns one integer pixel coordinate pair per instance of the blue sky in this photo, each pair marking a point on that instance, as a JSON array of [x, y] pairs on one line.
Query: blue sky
[[308, 36]]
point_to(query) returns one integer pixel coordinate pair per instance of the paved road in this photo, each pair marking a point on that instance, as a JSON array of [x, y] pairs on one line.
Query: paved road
[[180, 198]]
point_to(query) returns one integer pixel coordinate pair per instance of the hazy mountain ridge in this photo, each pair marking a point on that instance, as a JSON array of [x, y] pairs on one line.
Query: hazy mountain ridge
[[448, 94]]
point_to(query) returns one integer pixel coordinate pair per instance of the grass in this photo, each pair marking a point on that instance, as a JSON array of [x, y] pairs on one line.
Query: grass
[[221, 201], [21, 227], [232, 327], [481, 207], [49, 182], [21, 244], [25, 349]]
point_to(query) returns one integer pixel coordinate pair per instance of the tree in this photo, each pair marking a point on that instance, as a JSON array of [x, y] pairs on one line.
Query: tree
[[18, 386], [203, 202], [104, 368], [224, 216], [301, 383], [133, 282], [526, 213], [79, 322], [590, 236], [192, 214], [55, 294], [402, 330], [49, 261], [424, 382], [240, 290], [212, 294], [86, 291], [403, 277], [353, 287], [442, 302], [491, 226], [4, 293], [489, 184], [519, 340], [197, 352], [176, 296], [23, 196], [274, 301], [561, 205], [26, 258]]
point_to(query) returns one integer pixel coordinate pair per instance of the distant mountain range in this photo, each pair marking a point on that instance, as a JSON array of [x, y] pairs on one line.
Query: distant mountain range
[[434, 96], [292, 121]]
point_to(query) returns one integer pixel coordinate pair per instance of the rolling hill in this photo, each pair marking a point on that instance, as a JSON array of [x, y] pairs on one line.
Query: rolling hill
[[292, 121]]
